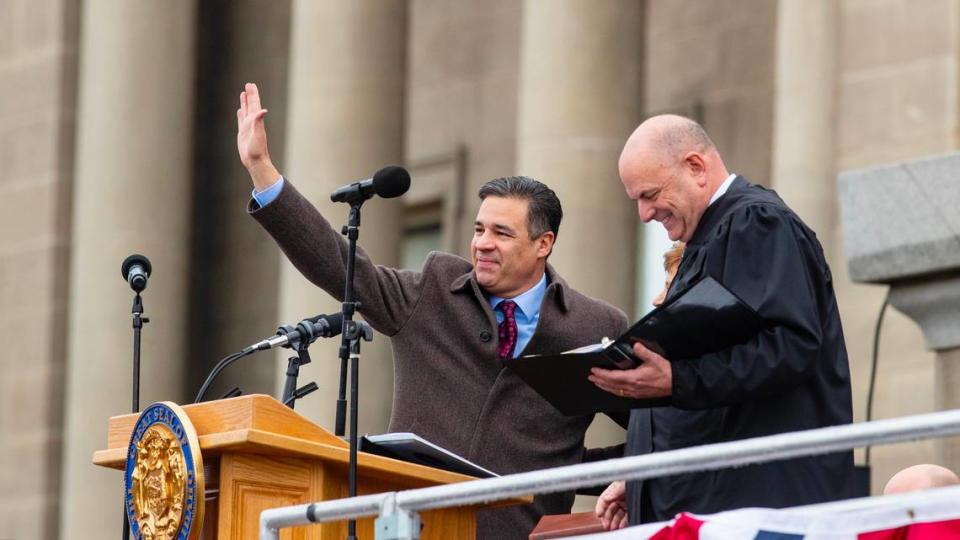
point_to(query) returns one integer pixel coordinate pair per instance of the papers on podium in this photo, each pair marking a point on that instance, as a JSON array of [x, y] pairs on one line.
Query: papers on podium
[[412, 448], [704, 318]]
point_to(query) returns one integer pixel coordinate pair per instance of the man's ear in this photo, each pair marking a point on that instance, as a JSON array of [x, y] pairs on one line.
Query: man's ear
[[545, 244], [697, 166]]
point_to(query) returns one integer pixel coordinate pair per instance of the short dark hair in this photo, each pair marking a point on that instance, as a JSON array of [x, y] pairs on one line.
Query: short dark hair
[[544, 212]]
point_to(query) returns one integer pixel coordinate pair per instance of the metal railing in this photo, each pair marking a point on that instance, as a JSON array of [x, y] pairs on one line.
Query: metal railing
[[397, 511]]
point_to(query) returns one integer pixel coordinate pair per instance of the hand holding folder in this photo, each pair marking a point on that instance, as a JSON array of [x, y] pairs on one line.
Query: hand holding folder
[[703, 319], [652, 378]]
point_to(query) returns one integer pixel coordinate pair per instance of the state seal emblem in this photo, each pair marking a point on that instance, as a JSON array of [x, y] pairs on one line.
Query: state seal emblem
[[164, 492]]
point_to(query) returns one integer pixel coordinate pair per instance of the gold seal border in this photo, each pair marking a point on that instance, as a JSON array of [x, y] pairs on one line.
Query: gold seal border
[[193, 442], [200, 483]]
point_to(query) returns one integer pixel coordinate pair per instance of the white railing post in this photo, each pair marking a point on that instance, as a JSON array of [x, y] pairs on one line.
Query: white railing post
[[395, 523], [268, 531]]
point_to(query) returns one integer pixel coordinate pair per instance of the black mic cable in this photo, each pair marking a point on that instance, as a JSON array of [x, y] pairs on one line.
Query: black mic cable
[[873, 368], [221, 365]]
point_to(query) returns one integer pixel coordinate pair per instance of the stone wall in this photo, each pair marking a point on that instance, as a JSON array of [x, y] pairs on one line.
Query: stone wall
[[716, 64], [466, 116], [38, 66], [234, 282], [897, 100], [462, 83]]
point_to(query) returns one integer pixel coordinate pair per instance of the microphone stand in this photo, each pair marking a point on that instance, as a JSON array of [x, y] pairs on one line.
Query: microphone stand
[[301, 392], [293, 371], [352, 231], [350, 338], [138, 322]]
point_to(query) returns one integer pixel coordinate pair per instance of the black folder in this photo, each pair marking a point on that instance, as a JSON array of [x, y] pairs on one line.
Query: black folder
[[704, 318], [414, 449]]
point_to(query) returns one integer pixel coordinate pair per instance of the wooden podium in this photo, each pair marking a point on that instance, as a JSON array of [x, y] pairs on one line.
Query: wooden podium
[[259, 454]]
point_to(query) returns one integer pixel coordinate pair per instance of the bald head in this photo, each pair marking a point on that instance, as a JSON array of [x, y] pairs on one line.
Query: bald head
[[671, 168], [920, 477], [669, 137]]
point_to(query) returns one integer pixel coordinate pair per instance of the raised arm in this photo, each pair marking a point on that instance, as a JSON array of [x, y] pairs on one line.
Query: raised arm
[[387, 295], [252, 139]]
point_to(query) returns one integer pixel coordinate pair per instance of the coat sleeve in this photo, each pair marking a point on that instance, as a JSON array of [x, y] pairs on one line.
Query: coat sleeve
[[775, 265], [387, 296], [604, 453]]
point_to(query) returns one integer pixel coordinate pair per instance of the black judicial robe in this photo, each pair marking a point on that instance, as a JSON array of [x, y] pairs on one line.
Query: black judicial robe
[[793, 376]]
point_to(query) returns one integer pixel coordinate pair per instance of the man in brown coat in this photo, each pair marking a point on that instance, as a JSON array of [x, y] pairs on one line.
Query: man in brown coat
[[454, 323]]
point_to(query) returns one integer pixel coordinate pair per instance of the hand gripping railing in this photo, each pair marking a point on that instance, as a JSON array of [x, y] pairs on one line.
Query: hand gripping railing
[[397, 510]]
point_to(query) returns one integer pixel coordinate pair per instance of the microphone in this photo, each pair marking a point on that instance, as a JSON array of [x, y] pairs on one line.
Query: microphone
[[135, 271], [388, 182], [308, 330]]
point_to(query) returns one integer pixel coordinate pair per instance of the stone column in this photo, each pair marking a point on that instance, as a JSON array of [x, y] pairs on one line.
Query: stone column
[[805, 103], [38, 64], [900, 224], [947, 379], [579, 100], [345, 119], [133, 186], [932, 303]]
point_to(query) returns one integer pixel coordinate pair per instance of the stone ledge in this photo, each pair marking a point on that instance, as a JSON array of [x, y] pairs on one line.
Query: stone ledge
[[935, 305], [900, 221]]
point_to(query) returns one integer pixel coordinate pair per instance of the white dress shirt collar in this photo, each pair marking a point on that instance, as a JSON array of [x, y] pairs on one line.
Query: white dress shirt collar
[[722, 189]]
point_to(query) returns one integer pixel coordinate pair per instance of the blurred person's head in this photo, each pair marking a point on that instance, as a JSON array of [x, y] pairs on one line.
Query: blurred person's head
[[514, 233], [671, 168], [920, 477], [671, 262]]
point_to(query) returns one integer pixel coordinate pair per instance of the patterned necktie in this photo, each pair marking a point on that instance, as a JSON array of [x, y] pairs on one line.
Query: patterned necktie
[[507, 329]]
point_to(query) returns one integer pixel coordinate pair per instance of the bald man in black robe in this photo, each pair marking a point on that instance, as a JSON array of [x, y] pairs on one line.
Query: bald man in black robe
[[792, 376]]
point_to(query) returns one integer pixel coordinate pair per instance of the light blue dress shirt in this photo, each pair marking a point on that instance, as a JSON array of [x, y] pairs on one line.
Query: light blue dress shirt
[[267, 196], [527, 313]]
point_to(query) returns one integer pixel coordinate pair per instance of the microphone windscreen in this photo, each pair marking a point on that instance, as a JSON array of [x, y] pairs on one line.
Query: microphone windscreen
[[333, 322], [391, 181], [144, 262]]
